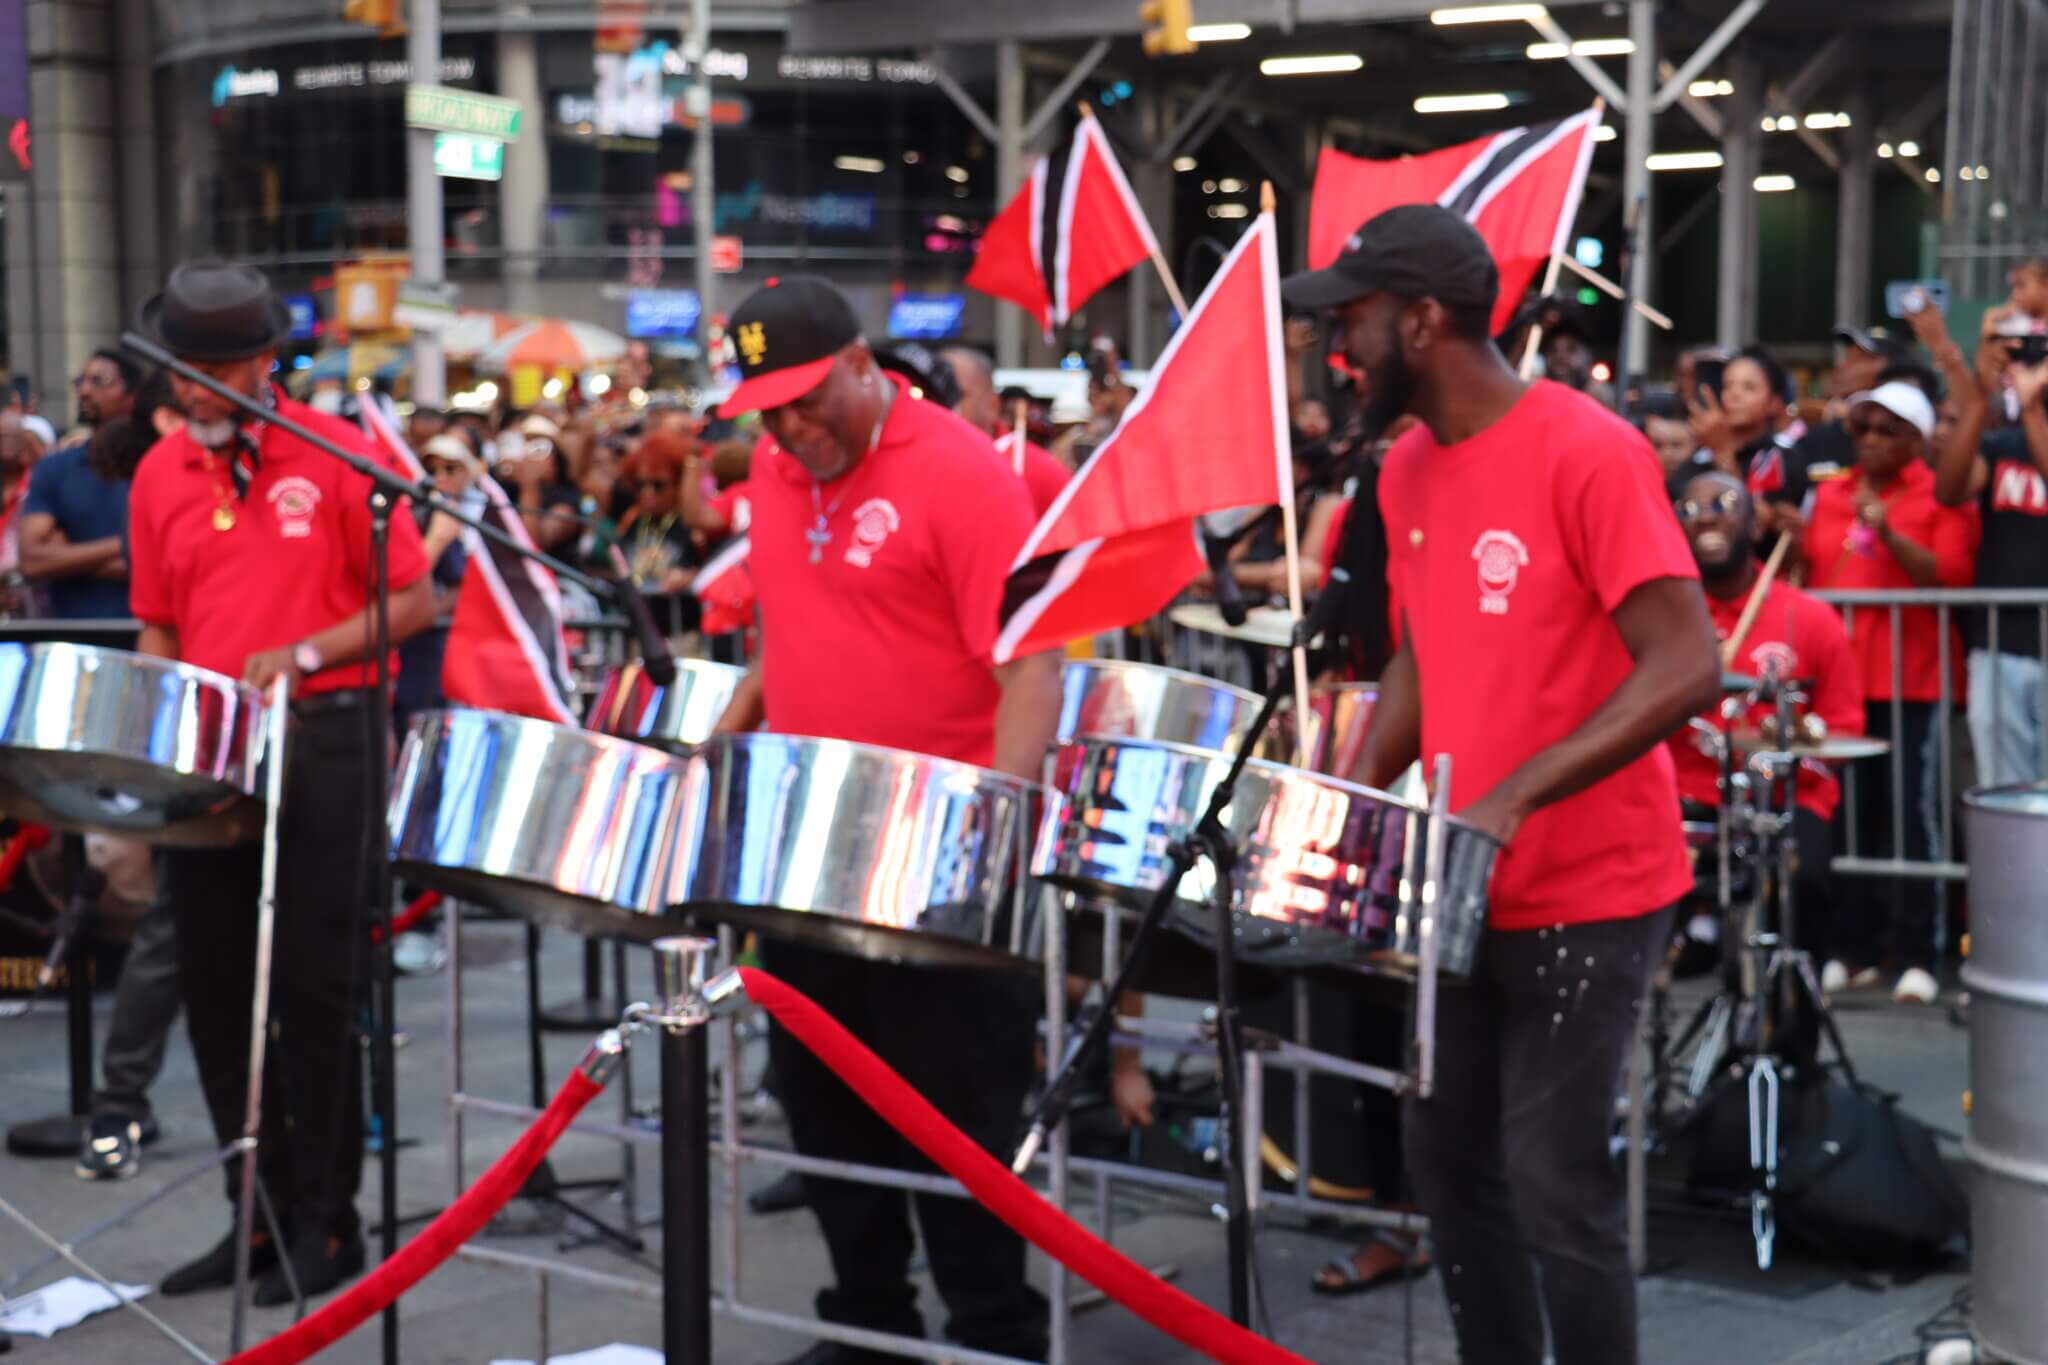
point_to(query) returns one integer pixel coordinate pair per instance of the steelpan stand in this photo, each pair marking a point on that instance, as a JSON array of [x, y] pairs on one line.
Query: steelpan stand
[[60, 1135]]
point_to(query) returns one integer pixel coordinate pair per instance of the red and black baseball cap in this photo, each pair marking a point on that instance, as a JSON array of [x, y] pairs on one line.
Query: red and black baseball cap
[[785, 335]]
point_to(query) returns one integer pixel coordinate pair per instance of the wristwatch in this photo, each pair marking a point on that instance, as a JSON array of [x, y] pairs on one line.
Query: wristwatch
[[306, 658]]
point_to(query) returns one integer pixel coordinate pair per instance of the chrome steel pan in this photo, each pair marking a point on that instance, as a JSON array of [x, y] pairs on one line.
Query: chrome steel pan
[[875, 852], [106, 741], [558, 825], [1322, 863], [679, 717], [1343, 711], [1109, 697]]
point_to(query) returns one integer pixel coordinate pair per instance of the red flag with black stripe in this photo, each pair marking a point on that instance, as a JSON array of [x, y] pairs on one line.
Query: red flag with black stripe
[[1519, 189], [1207, 432], [1074, 227]]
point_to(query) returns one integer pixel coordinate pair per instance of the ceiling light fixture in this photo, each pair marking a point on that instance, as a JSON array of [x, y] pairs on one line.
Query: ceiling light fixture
[[1327, 64], [1218, 33], [1909, 148], [1183, 163], [1933, 175], [1488, 14], [957, 174], [866, 165], [1606, 132], [1460, 104], [1232, 210], [1884, 149], [1583, 47], [1682, 161], [1773, 184]]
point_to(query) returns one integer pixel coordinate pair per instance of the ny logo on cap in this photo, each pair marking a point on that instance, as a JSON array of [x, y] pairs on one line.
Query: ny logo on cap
[[753, 343]]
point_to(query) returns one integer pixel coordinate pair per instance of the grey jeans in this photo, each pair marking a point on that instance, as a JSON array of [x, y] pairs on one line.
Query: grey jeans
[[1510, 1155], [146, 1002]]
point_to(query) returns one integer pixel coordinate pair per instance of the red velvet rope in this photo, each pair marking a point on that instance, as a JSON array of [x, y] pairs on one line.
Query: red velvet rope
[[435, 1243], [26, 841], [405, 919], [1185, 1319]]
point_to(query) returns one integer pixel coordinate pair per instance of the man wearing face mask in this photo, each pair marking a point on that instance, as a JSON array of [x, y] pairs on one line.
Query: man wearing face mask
[[248, 556], [883, 527], [1552, 636]]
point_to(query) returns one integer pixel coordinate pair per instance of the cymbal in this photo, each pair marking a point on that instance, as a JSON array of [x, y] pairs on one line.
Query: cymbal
[[1269, 626], [1839, 748]]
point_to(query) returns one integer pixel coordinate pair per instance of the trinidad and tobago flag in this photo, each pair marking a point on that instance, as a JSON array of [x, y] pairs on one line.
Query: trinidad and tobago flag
[[1072, 228], [506, 651], [1519, 189], [1207, 432]]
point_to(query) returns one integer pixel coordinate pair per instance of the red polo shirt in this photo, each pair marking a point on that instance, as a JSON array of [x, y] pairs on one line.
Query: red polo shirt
[[888, 638], [1509, 553], [1804, 637], [295, 562], [1834, 559], [1043, 474]]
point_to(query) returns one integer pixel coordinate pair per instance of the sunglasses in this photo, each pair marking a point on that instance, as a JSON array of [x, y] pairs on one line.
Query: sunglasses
[[1692, 509]]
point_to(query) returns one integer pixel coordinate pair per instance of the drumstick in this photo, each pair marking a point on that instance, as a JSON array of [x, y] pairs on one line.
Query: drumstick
[[1756, 601], [1017, 444]]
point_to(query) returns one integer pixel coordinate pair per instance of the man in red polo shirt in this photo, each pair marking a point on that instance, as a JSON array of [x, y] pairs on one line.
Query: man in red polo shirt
[[1552, 636], [980, 406], [883, 529], [248, 555], [1882, 528], [1797, 637]]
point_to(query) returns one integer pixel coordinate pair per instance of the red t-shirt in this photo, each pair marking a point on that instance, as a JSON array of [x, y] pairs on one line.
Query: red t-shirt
[[1834, 561], [888, 638], [295, 562], [1804, 637], [1044, 475], [1510, 552], [735, 514]]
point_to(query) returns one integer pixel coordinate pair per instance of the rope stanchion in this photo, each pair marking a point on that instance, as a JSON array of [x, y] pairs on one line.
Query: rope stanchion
[[1181, 1317], [423, 905], [436, 1242]]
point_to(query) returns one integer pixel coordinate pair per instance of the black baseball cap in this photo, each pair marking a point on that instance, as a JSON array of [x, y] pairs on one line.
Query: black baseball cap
[[785, 334], [1875, 340], [1413, 251]]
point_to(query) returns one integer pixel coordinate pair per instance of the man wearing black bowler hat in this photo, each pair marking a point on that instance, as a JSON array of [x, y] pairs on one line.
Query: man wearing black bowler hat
[[249, 556]]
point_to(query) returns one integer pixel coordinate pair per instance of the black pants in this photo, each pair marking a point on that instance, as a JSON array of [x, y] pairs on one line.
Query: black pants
[[311, 1143], [1510, 1156], [145, 1006], [1890, 920], [962, 1039]]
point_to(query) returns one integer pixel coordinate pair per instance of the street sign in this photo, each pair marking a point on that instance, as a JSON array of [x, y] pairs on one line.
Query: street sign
[[425, 307], [448, 110], [462, 156], [725, 255]]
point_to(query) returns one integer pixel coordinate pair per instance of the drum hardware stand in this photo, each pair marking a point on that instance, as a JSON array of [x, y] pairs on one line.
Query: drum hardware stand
[[682, 968], [61, 1135]]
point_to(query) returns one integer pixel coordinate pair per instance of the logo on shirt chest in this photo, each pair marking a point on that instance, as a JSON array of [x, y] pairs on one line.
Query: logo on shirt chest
[[1775, 658], [1500, 557], [294, 501], [874, 521]]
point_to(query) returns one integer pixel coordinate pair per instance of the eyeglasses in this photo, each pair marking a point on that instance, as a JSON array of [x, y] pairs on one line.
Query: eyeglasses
[[1887, 428], [89, 380], [1724, 503]]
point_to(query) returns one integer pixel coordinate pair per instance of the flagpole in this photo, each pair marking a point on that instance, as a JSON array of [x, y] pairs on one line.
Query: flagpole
[[1290, 533], [1019, 408], [1173, 294], [1527, 367]]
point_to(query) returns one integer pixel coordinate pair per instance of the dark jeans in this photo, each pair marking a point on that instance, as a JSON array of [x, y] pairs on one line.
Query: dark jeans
[[1510, 1156], [311, 1142], [1891, 919], [145, 1006], [962, 1039]]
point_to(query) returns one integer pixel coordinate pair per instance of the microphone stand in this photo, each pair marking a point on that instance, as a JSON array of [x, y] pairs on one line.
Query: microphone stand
[[386, 488], [1625, 260]]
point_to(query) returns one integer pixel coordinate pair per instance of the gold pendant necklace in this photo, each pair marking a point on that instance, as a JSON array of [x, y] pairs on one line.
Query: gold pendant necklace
[[224, 511]]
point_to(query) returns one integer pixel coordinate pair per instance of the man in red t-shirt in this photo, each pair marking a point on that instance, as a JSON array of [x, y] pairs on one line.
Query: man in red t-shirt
[[1883, 529], [248, 555], [981, 407], [1552, 636], [1794, 636], [883, 529]]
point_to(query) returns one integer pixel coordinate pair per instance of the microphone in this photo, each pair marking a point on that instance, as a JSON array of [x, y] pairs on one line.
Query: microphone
[[77, 907], [655, 657], [1328, 608], [1229, 597]]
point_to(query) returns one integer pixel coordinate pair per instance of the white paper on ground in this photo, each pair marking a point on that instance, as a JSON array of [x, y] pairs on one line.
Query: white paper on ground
[[54, 1307], [614, 1354]]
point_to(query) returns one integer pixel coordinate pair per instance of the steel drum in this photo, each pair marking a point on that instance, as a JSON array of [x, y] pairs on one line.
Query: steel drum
[[875, 852], [111, 742], [558, 825], [679, 717], [1110, 697], [1322, 862]]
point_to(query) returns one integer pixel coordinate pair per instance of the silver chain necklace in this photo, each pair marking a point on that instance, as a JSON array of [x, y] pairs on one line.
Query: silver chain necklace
[[820, 534]]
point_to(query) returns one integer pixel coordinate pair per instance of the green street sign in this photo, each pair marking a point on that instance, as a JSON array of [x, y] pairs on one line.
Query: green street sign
[[461, 111], [462, 157]]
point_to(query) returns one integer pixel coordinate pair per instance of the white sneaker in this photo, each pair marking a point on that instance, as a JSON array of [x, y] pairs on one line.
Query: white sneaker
[[1834, 977], [1916, 987]]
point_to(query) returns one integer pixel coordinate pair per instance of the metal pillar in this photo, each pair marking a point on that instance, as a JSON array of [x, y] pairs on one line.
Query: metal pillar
[[1638, 140], [1009, 174], [703, 202], [1741, 147], [423, 218], [523, 193], [1853, 214], [1152, 182]]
